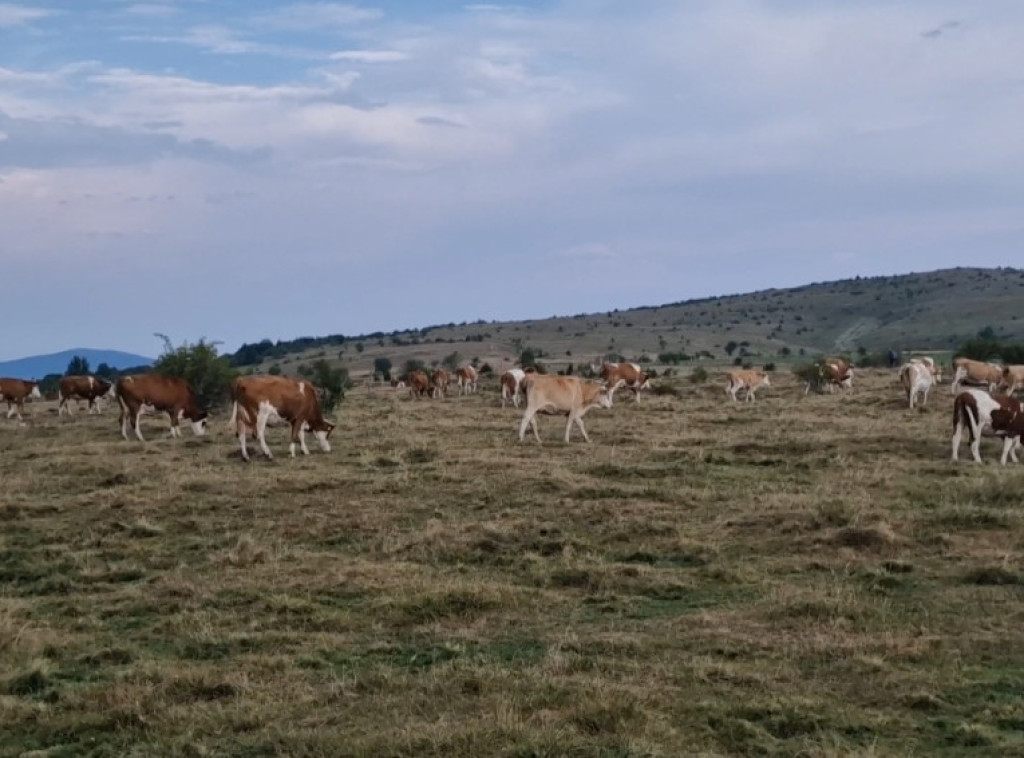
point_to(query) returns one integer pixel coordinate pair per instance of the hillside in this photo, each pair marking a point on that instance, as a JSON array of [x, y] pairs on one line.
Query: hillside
[[38, 366], [935, 311]]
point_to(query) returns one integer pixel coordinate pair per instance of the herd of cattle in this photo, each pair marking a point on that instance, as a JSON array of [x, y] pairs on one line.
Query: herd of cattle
[[983, 402]]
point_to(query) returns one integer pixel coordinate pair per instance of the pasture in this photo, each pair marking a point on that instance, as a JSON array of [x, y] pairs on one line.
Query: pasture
[[797, 576]]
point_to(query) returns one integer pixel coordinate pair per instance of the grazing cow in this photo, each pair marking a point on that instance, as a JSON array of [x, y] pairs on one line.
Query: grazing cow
[[15, 391], [439, 382], [511, 383], [967, 372], [1010, 423], [928, 362], [556, 395], [1013, 379], [917, 379], [418, 383], [140, 393], [397, 384], [465, 377], [257, 400], [747, 379], [627, 375], [89, 388], [973, 409], [831, 373]]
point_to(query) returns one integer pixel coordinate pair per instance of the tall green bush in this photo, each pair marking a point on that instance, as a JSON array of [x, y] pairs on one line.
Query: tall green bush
[[209, 374]]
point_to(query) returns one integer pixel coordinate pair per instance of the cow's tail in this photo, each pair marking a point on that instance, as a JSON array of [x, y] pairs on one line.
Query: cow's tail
[[964, 414]]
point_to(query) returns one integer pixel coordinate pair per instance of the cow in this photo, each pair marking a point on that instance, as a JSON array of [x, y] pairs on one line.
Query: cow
[[917, 379], [628, 375], [928, 362], [86, 387], [830, 373], [511, 384], [747, 379], [967, 372], [465, 377], [1010, 423], [15, 392], [257, 400], [439, 381], [397, 384], [556, 395], [1013, 379], [418, 383], [140, 393], [972, 409]]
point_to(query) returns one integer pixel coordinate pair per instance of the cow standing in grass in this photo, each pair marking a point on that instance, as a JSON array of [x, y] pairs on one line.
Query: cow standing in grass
[[917, 379], [745, 379], [972, 410], [143, 393], [90, 388], [258, 400], [15, 391], [557, 395]]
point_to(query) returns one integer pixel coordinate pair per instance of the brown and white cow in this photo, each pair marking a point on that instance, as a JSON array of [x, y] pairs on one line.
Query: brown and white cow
[[258, 400], [418, 383], [1013, 379], [973, 409], [1009, 422], [745, 379], [15, 391], [439, 382], [628, 375], [967, 372], [917, 380], [90, 388], [141, 393], [558, 395], [465, 377], [840, 374], [511, 384]]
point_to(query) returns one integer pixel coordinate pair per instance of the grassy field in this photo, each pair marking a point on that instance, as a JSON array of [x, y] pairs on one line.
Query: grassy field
[[801, 576]]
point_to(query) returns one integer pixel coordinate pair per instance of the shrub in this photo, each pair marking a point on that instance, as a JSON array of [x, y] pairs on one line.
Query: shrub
[[209, 374], [698, 375], [330, 382]]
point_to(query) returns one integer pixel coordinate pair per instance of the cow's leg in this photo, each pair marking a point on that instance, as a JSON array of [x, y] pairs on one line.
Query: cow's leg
[[242, 434], [262, 417], [62, 405], [529, 418], [123, 419], [137, 416], [1008, 444], [10, 409], [579, 422]]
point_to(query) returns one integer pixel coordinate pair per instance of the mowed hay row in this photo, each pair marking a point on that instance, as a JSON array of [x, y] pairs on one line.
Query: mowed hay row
[[802, 575]]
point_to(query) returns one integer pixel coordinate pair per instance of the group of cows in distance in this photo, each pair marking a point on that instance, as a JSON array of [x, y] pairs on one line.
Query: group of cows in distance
[[983, 398]]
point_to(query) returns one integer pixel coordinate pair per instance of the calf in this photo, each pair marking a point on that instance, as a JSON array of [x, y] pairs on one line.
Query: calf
[[928, 362], [140, 393], [747, 379], [973, 409], [15, 392], [557, 395], [257, 400], [439, 382], [511, 384], [917, 379], [465, 377], [628, 375], [89, 388]]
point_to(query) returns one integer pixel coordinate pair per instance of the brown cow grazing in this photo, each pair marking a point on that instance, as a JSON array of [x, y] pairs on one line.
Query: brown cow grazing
[[746, 379], [511, 384], [562, 394], [418, 383], [465, 377], [140, 393], [628, 375], [967, 372], [89, 388], [15, 392], [257, 400], [1013, 379], [439, 382], [973, 410]]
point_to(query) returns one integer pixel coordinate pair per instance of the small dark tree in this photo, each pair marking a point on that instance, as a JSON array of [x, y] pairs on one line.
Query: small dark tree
[[527, 358], [105, 371], [77, 366], [730, 347], [331, 384], [209, 374], [382, 366], [413, 364], [451, 361]]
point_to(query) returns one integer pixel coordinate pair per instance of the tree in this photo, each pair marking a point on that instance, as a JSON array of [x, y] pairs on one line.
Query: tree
[[105, 371], [77, 366], [730, 347], [330, 382], [527, 358], [209, 374], [451, 361]]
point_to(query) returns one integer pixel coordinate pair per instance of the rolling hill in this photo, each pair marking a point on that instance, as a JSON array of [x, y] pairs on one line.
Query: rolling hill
[[38, 366], [934, 311]]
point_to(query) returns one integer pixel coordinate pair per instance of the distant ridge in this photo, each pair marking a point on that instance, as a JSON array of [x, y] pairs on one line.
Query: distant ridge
[[38, 366]]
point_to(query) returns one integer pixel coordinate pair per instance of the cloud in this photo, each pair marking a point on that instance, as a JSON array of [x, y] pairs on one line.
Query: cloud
[[369, 56], [316, 16], [152, 9], [20, 15], [941, 29]]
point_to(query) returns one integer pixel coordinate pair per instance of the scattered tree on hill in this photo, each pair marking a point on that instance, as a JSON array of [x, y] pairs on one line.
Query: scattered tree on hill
[[382, 366], [209, 374], [451, 361], [106, 371], [413, 364], [77, 366]]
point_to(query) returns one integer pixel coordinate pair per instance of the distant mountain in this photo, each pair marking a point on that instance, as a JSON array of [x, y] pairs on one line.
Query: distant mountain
[[38, 366]]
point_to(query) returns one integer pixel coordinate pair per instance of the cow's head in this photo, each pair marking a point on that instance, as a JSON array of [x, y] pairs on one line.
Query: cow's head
[[643, 381], [322, 432], [35, 393], [765, 382], [604, 396], [199, 422]]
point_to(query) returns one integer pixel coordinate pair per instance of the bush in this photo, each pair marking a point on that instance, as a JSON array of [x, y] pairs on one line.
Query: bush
[[770, 366], [209, 374], [331, 384], [698, 375]]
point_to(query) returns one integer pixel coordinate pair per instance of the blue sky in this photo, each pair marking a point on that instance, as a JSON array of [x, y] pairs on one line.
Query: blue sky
[[238, 170]]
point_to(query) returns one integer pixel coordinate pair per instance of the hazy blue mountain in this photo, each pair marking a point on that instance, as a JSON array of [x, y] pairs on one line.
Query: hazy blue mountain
[[38, 366]]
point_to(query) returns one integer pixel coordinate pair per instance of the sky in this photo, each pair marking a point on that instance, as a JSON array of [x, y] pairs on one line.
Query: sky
[[245, 169]]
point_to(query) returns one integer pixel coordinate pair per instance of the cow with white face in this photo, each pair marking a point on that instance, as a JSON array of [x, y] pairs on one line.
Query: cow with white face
[[259, 400], [562, 395]]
